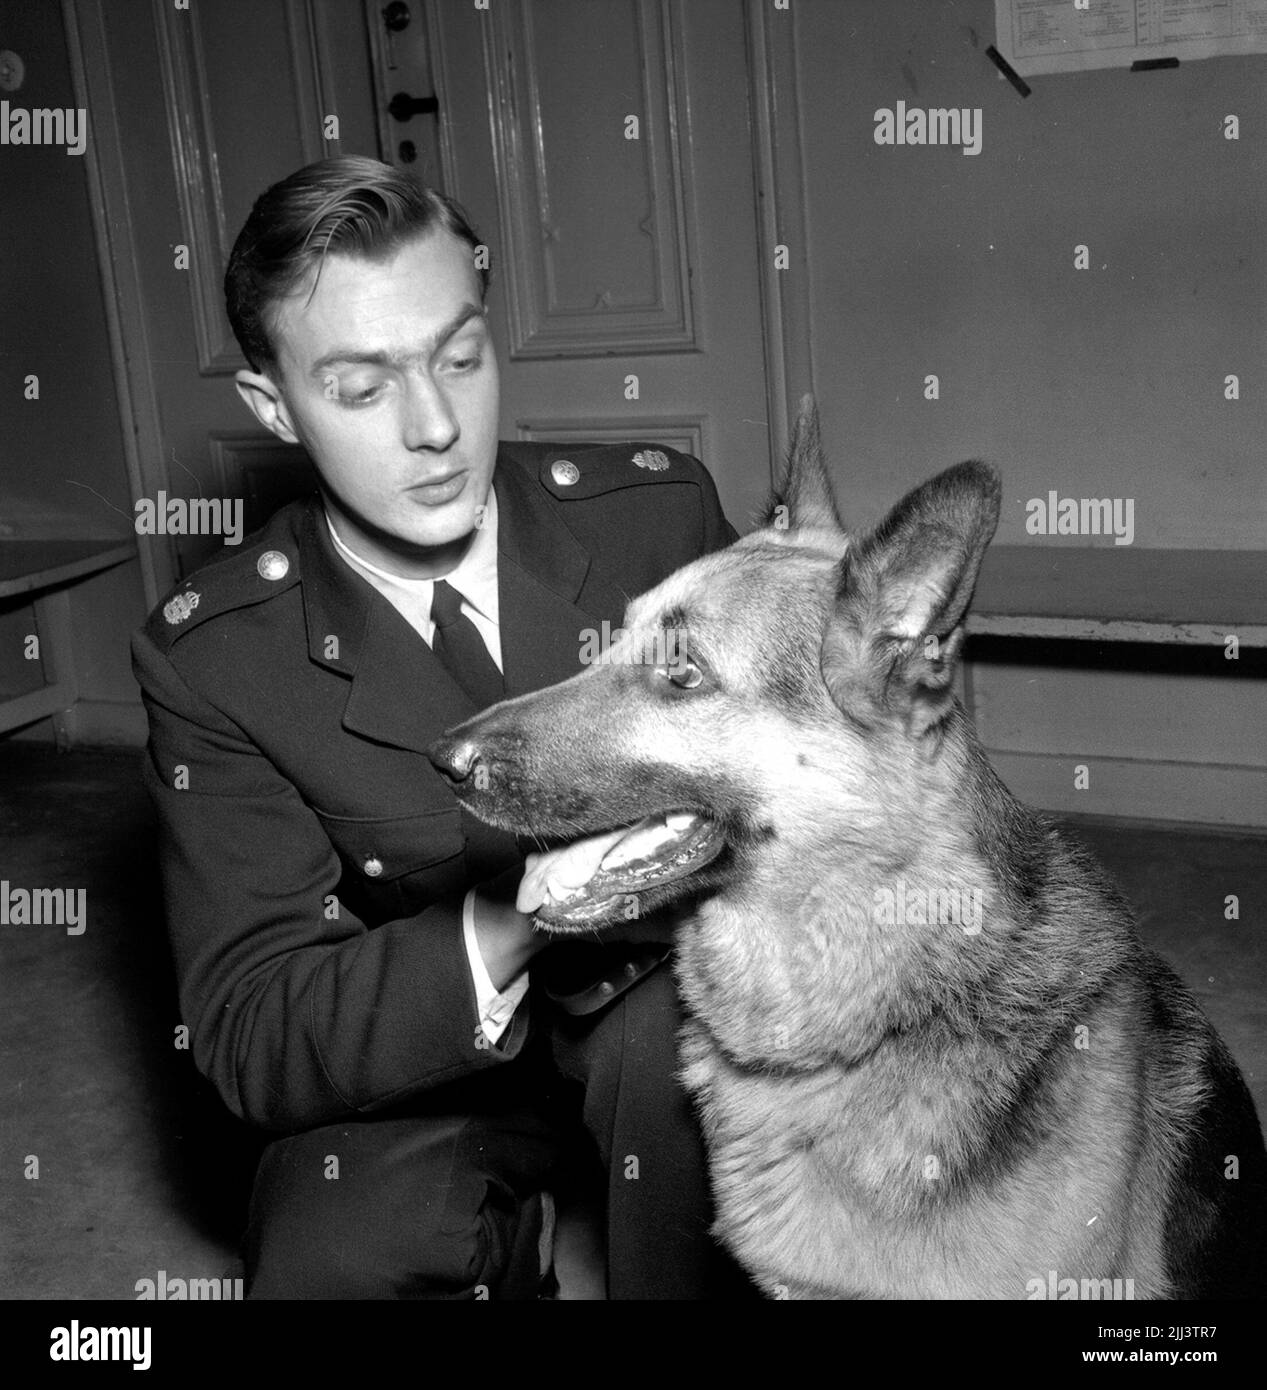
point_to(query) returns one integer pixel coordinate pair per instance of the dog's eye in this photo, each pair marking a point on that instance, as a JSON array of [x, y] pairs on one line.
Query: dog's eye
[[684, 674]]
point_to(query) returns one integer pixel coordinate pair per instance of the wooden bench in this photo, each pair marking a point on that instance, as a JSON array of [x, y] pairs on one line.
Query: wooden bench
[[46, 569], [1104, 594], [1121, 594]]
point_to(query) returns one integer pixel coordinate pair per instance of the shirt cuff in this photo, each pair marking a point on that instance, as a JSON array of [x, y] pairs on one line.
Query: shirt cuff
[[495, 1008]]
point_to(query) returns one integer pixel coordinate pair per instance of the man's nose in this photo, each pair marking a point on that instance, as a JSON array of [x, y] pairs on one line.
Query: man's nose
[[455, 758], [429, 420]]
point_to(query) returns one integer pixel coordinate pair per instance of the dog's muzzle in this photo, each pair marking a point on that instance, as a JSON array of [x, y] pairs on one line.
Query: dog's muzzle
[[594, 877]]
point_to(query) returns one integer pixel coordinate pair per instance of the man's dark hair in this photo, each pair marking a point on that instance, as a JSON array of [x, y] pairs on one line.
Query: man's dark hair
[[351, 205]]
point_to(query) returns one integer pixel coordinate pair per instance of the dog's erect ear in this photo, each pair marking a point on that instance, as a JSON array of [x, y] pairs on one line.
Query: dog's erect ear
[[805, 498], [894, 638]]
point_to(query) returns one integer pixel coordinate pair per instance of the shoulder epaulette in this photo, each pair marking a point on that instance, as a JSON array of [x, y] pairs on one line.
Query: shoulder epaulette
[[573, 472], [262, 568]]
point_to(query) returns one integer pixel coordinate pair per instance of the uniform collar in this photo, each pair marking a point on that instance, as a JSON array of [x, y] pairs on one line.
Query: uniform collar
[[474, 576], [532, 540]]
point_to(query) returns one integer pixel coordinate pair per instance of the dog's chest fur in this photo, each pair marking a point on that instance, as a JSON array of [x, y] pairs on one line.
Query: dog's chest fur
[[879, 1178]]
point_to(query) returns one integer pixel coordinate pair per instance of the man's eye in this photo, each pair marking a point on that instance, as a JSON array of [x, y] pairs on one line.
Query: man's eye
[[465, 364], [355, 396]]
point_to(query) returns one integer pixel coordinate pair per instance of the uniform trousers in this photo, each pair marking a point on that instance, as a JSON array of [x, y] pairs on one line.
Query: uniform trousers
[[443, 1202]]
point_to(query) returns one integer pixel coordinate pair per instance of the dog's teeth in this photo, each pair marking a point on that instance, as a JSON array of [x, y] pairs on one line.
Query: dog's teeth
[[646, 839], [639, 843]]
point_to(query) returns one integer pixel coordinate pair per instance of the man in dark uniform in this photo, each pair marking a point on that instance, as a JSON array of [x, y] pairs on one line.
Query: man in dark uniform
[[351, 962]]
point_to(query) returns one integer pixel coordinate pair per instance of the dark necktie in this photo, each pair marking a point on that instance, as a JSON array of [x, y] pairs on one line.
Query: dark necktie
[[461, 649]]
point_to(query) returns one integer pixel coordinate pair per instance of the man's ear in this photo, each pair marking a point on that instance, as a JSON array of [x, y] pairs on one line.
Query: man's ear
[[805, 497], [264, 399], [895, 634]]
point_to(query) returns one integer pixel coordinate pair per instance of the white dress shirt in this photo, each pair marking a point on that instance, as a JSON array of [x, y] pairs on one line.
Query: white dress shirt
[[475, 578]]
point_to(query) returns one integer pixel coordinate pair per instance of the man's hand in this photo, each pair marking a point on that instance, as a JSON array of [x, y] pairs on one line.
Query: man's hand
[[505, 936]]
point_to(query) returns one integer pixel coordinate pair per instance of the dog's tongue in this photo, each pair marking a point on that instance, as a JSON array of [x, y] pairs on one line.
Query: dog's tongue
[[559, 873]]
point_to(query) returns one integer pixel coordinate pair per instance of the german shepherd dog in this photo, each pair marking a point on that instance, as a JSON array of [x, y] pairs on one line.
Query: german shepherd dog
[[931, 1057]]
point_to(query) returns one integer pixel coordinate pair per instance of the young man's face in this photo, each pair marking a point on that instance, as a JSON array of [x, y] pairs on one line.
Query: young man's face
[[386, 375]]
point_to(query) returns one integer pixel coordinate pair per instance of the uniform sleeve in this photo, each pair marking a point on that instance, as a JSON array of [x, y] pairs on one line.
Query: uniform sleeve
[[298, 1013]]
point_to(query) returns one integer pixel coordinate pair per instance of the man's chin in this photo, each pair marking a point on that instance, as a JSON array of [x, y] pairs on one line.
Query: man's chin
[[435, 534], [430, 525], [411, 538]]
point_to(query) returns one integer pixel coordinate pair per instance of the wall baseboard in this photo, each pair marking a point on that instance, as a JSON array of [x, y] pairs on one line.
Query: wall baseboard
[[95, 724]]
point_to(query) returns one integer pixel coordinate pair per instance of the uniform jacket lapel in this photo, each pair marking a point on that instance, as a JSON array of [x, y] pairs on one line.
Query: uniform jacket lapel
[[399, 693]]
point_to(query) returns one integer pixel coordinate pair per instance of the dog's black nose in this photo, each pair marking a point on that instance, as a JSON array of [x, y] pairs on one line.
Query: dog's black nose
[[456, 758]]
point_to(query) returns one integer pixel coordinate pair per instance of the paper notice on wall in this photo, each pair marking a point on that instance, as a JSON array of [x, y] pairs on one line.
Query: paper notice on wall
[[1038, 36]]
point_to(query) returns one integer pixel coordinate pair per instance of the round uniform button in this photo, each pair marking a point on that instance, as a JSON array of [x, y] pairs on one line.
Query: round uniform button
[[606, 987], [273, 565], [373, 866], [565, 472], [631, 968]]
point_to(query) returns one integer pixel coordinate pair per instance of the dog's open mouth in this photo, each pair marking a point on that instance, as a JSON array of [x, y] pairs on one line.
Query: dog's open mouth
[[591, 880]]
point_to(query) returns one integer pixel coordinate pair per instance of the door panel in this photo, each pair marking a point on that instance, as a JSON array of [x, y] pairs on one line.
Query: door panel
[[596, 227]]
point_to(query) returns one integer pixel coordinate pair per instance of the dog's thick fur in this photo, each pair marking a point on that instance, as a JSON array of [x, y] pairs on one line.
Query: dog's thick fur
[[898, 1101]]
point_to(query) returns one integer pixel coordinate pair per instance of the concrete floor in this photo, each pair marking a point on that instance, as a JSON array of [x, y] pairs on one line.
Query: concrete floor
[[141, 1169]]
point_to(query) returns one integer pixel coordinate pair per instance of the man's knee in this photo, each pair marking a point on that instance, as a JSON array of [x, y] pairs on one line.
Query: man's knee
[[437, 1208]]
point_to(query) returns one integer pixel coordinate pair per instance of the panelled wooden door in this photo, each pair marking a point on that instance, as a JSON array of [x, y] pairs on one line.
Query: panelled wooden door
[[602, 149]]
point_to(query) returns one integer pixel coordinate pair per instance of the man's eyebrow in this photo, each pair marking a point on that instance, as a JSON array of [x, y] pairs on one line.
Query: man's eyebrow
[[396, 359]]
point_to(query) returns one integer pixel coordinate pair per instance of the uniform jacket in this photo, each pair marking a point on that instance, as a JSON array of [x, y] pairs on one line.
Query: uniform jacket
[[313, 861]]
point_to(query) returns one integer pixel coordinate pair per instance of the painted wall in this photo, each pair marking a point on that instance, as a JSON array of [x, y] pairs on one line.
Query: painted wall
[[1107, 382]]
